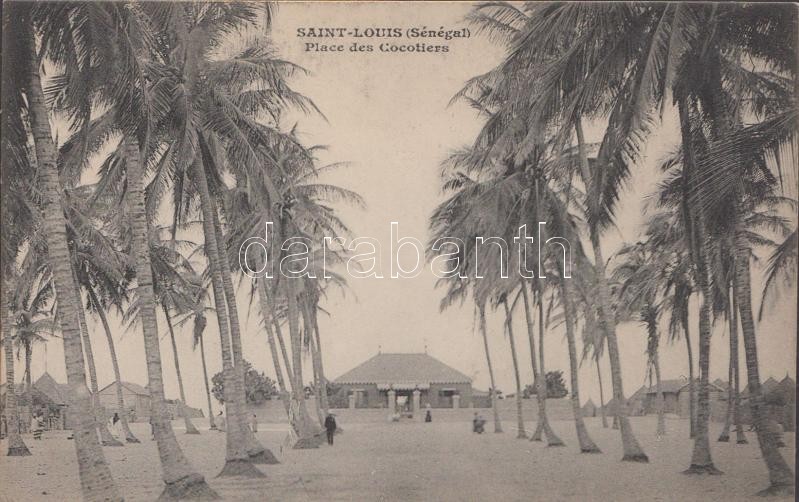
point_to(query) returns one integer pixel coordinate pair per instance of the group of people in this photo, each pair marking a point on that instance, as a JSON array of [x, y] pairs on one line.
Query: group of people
[[428, 415], [221, 424]]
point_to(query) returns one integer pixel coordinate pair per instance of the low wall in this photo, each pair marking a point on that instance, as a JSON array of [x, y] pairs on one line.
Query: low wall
[[557, 409]]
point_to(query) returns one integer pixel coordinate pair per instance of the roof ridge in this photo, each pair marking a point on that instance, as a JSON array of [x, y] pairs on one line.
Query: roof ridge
[[405, 367]]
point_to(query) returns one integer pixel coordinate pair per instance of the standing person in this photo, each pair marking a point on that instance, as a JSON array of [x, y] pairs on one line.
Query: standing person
[[478, 424], [220, 422], [330, 427], [36, 427], [254, 423], [115, 426]]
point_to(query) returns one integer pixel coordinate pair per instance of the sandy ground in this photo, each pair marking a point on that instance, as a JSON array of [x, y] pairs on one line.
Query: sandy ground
[[415, 461]]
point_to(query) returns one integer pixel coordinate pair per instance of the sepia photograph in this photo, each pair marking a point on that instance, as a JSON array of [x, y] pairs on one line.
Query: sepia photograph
[[314, 251]]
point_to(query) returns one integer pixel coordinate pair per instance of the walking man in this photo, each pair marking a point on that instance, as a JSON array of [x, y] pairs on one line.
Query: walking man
[[330, 427]]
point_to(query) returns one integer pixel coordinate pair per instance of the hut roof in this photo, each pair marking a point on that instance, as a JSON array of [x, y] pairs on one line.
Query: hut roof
[[639, 394], [133, 387], [667, 386], [712, 385], [45, 390], [766, 387], [721, 384], [788, 388], [58, 393], [769, 385], [411, 369]]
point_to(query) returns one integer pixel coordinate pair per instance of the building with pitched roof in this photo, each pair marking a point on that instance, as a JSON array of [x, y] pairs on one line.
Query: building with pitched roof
[[671, 392], [49, 399], [407, 381], [717, 398], [779, 401], [135, 398], [636, 403]]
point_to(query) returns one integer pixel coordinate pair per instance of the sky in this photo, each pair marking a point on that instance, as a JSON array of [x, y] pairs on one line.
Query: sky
[[388, 116]]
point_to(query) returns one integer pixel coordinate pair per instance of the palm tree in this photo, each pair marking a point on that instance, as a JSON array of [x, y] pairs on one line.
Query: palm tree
[[99, 416], [267, 322], [172, 275], [190, 428], [256, 452], [733, 399], [556, 74], [587, 445], [493, 389], [197, 339], [305, 214], [665, 232], [236, 458], [181, 479], [16, 446], [520, 434], [564, 224], [194, 302], [307, 431], [220, 130], [97, 307], [96, 480], [32, 323], [543, 425], [638, 273]]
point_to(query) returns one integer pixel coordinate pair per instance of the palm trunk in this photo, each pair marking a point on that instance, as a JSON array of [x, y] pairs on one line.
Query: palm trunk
[[521, 434], [211, 424], [691, 389], [528, 316], [701, 460], [661, 427], [95, 476], [543, 420], [28, 358], [724, 437], [736, 403], [780, 474], [181, 480], [99, 413], [278, 332], [587, 445], [601, 394], [123, 416], [306, 430], [16, 446], [632, 450], [323, 380], [190, 428], [270, 337], [484, 332], [255, 450], [320, 415], [237, 462], [284, 352], [652, 329], [308, 328]]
